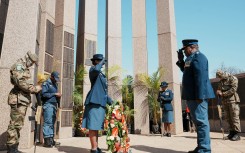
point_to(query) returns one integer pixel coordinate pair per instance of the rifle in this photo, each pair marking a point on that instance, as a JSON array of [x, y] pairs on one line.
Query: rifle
[[220, 115], [37, 118], [58, 122]]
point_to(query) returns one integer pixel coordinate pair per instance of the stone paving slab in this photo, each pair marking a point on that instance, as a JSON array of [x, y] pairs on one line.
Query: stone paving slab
[[180, 143]]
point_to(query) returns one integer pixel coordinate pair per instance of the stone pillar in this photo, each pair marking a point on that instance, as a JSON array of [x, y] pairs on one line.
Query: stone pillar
[[168, 56], [141, 118], [113, 49], [87, 37], [64, 30], [19, 37]]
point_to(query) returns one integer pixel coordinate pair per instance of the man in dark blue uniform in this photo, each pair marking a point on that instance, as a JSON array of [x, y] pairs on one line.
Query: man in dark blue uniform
[[196, 90], [50, 98]]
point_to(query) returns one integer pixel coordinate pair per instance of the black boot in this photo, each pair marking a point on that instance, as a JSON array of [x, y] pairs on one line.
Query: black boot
[[13, 149], [229, 136], [54, 143], [235, 137], [194, 151], [48, 142], [168, 134]]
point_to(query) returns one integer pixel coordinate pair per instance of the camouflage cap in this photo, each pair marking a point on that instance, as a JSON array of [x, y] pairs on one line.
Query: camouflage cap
[[32, 57], [222, 74], [219, 73]]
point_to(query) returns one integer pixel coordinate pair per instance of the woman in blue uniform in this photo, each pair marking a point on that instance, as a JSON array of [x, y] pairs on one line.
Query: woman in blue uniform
[[165, 98], [95, 103]]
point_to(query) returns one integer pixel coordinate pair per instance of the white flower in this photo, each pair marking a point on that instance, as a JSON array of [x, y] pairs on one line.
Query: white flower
[[114, 111], [117, 107], [123, 131], [111, 138], [112, 125]]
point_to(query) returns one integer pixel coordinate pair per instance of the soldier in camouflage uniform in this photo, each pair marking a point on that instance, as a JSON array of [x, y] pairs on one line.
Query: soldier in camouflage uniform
[[19, 98], [227, 89]]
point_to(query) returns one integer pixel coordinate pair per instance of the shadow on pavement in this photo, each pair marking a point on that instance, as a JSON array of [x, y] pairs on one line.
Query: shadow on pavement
[[154, 150], [71, 149]]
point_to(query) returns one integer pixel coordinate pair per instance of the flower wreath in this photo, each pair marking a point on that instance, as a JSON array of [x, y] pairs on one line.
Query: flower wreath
[[117, 132]]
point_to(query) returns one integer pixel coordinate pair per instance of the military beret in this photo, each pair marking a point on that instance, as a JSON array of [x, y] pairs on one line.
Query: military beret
[[188, 42], [32, 57]]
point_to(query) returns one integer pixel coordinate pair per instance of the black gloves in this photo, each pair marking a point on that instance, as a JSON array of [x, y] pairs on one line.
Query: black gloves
[[180, 55]]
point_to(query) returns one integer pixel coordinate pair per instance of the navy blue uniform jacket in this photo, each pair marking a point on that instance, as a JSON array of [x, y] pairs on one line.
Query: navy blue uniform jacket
[[165, 99], [48, 92], [195, 82], [98, 93]]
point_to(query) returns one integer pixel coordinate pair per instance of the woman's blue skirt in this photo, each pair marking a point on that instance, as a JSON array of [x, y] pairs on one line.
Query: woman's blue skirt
[[167, 117], [93, 118]]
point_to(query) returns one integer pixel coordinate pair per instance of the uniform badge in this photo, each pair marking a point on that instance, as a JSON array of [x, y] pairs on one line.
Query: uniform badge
[[167, 93]]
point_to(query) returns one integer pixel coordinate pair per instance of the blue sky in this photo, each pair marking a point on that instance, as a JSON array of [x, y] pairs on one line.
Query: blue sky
[[219, 25]]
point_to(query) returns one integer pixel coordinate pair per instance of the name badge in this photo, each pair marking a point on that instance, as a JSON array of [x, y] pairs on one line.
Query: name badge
[[167, 93]]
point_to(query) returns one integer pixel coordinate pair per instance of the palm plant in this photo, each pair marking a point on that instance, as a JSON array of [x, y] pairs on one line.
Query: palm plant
[[127, 99], [78, 98], [152, 83], [113, 74]]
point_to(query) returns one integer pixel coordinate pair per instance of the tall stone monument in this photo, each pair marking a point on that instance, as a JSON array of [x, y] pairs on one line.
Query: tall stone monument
[[64, 29], [167, 55], [141, 118], [113, 49]]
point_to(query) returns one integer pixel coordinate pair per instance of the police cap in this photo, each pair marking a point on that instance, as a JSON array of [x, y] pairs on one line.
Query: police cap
[[189, 42]]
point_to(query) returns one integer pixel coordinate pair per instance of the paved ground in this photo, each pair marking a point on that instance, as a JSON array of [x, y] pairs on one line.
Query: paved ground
[[148, 144]]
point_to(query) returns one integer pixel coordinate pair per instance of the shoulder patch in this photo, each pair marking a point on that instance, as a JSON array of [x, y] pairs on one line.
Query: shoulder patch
[[19, 67]]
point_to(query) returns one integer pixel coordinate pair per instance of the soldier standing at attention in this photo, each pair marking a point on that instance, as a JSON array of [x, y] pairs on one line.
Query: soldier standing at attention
[[196, 90], [227, 89], [165, 98], [50, 98], [20, 98]]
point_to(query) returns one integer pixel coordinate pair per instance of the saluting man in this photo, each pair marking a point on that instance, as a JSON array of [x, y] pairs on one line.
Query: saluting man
[[20, 98], [196, 90]]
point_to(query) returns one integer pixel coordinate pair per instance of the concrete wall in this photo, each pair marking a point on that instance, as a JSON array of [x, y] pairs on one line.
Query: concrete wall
[[19, 37]]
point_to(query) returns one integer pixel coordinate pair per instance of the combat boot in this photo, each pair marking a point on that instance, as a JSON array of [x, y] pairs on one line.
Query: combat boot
[[229, 136], [13, 149], [48, 142], [235, 137]]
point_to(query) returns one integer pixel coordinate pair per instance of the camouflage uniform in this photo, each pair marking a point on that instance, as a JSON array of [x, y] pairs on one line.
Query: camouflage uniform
[[19, 98], [230, 100]]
